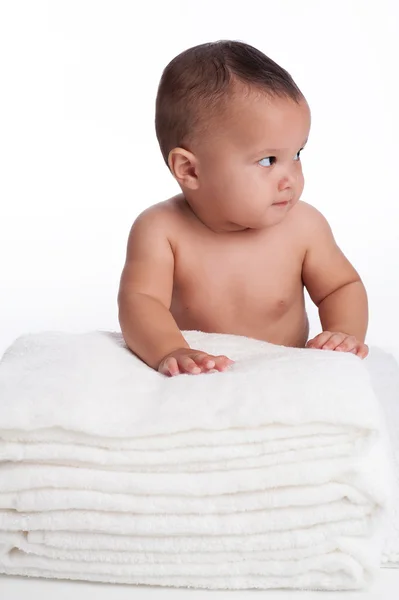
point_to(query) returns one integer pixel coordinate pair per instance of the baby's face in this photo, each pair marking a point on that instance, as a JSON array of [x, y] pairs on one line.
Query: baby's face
[[249, 164]]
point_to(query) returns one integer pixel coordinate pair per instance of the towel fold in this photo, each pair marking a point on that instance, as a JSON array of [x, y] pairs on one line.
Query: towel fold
[[272, 474]]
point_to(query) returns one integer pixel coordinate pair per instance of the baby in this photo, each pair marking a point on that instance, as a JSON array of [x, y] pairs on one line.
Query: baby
[[234, 250]]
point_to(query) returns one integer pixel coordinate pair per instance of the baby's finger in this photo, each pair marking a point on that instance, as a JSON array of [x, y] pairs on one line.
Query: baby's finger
[[319, 340], [363, 351], [334, 341], [349, 343], [204, 361], [222, 362], [169, 367], [188, 365]]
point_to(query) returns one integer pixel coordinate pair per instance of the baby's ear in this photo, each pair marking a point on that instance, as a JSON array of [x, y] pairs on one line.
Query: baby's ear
[[184, 167]]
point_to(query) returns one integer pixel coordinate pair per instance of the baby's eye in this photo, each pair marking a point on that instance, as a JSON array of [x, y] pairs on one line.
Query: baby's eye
[[270, 158], [273, 158], [298, 153]]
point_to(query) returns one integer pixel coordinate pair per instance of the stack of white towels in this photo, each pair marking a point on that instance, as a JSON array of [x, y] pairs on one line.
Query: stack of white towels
[[273, 474]]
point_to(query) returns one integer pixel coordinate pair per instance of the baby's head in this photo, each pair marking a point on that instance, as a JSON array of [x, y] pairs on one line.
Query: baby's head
[[230, 124]]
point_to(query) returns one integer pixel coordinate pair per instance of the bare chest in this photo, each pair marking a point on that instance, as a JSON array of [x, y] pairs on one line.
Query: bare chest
[[240, 278]]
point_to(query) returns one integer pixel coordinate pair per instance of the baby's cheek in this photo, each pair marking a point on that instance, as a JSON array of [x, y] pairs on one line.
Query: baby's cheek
[[299, 187]]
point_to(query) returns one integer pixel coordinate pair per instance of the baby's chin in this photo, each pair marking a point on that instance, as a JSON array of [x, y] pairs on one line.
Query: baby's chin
[[270, 218], [276, 213]]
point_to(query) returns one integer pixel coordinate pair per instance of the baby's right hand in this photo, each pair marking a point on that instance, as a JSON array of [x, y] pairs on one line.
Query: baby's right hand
[[188, 360]]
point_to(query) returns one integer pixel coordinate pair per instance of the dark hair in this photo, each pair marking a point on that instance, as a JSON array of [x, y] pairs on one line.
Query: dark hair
[[195, 85]]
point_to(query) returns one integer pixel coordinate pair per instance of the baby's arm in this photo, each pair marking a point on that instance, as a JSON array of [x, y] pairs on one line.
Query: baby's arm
[[335, 287], [144, 299]]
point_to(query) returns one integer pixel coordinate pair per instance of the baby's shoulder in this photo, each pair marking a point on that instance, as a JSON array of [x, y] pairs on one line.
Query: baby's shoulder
[[171, 209], [304, 210], [307, 216], [309, 225], [161, 216]]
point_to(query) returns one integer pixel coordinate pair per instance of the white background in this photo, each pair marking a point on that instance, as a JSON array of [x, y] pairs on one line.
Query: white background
[[79, 157]]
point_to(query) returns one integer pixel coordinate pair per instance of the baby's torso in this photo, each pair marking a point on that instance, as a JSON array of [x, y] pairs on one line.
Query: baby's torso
[[244, 283]]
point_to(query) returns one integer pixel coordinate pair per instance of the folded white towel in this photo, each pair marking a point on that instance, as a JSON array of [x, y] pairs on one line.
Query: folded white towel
[[384, 371], [272, 474]]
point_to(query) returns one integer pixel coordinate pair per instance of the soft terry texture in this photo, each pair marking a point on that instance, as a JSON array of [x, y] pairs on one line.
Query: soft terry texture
[[384, 371], [270, 475]]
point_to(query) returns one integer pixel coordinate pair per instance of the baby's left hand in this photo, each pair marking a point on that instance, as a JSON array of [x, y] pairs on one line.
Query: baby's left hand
[[341, 342]]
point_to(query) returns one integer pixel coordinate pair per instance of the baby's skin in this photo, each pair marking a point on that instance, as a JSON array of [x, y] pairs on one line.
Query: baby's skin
[[234, 252]]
